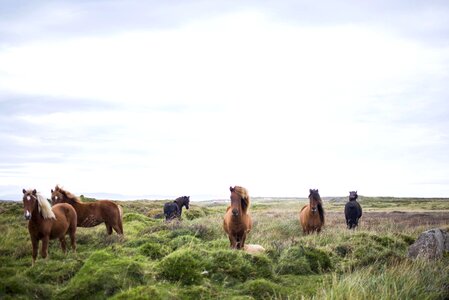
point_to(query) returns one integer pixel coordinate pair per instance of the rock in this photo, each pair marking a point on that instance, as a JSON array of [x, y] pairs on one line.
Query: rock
[[254, 249], [431, 244]]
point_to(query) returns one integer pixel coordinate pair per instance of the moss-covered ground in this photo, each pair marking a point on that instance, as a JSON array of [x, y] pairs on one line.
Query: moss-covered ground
[[191, 259]]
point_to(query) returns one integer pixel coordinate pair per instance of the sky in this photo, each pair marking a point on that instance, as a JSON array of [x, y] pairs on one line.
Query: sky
[[159, 99]]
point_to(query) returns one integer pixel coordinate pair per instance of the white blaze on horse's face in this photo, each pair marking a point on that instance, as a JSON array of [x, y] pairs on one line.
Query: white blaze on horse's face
[[28, 197], [27, 214]]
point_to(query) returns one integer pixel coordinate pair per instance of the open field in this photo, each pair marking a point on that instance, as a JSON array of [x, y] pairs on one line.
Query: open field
[[191, 259]]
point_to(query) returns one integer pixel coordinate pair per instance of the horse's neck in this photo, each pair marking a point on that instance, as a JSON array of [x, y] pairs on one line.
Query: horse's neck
[[180, 205], [36, 214]]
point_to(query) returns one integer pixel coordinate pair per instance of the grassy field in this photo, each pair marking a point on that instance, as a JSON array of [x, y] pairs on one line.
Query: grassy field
[[191, 259]]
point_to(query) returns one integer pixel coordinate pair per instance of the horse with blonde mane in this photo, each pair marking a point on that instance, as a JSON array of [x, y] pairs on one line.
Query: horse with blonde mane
[[91, 214], [48, 223], [311, 216], [237, 221]]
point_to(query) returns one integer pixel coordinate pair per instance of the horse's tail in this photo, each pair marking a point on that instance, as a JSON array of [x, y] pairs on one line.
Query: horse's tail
[[120, 219], [321, 213]]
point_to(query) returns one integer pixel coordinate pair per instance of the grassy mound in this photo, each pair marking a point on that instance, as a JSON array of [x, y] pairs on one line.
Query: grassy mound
[[184, 265], [300, 260], [102, 275]]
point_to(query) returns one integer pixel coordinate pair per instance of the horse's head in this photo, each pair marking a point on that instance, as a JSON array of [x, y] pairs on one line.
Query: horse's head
[[187, 201], [29, 202], [353, 195], [239, 200], [57, 195], [183, 201], [314, 200]]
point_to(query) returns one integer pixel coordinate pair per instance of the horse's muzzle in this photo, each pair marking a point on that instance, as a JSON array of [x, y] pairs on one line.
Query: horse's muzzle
[[27, 215], [314, 209], [235, 212]]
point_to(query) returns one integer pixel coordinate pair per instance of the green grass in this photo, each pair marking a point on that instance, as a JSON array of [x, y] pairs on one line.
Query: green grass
[[191, 259]]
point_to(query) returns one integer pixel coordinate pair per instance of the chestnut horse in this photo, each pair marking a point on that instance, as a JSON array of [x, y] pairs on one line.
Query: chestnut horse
[[48, 223], [237, 222], [92, 213], [311, 216]]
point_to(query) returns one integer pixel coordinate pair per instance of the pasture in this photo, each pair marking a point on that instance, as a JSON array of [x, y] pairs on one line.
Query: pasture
[[192, 259]]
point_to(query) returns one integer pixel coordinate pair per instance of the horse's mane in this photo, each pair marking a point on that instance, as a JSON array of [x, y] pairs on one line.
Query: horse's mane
[[315, 194], [321, 212], [45, 207], [67, 194], [243, 193], [182, 199]]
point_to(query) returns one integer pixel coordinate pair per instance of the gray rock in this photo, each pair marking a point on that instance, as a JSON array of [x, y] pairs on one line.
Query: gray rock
[[431, 244]]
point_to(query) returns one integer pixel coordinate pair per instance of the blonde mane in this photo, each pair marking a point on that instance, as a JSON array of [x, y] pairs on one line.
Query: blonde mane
[[67, 194], [243, 193], [45, 207]]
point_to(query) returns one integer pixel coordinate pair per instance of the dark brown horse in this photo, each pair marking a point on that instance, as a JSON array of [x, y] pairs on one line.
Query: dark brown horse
[[173, 210], [91, 214], [353, 211], [48, 223], [237, 222], [311, 216]]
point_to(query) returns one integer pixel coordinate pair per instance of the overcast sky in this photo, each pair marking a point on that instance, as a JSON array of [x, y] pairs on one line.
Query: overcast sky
[[170, 98]]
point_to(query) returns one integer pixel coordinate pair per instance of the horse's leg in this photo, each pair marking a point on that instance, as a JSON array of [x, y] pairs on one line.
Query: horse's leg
[[108, 228], [232, 241], [242, 245], [118, 225], [63, 244], [35, 244], [44, 250]]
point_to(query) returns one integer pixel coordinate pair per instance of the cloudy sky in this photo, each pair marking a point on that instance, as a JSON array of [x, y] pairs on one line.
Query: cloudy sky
[[169, 98]]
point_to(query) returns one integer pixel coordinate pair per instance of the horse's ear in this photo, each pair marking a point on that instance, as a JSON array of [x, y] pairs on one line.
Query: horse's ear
[[52, 191], [310, 191], [34, 192], [317, 190], [231, 188], [24, 191]]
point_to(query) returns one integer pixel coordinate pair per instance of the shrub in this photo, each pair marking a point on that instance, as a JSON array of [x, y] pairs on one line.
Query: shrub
[[184, 265]]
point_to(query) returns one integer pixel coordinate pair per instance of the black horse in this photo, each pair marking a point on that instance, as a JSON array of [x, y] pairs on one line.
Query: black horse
[[173, 209], [353, 211]]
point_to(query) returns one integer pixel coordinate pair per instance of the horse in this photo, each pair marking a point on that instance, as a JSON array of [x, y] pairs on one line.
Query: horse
[[173, 210], [237, 222], [48, 223], [353, 211], [311, 215], [93, 213]]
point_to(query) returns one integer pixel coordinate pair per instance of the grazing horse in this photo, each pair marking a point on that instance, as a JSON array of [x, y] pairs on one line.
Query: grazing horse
[[48, 223], [237, 222], [173, 209], [311, 216], [93, 213], [353, 211]]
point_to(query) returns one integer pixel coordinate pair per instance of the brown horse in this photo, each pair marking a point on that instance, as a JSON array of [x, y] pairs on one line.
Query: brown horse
[[48, 223], [93, 213], [237, 222], [311, 216]]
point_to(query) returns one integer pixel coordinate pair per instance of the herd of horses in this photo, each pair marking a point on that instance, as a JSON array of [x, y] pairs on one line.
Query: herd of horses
[[67, 212]]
